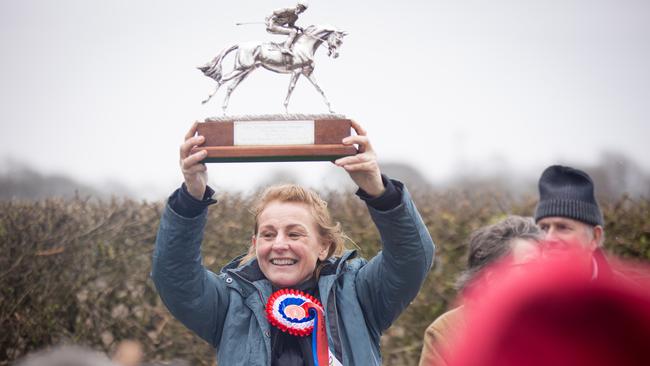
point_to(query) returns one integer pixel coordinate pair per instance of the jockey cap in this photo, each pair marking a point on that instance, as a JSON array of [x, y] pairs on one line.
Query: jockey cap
[[303, 4]]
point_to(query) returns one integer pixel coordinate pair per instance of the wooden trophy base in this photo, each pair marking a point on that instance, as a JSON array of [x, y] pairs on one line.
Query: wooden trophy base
[[275, 138]]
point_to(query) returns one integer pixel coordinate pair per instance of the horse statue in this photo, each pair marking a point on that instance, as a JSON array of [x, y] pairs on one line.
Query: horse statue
[[251, 55]]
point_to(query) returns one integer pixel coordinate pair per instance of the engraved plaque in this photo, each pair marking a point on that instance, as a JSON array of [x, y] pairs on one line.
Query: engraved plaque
[[273, 133]]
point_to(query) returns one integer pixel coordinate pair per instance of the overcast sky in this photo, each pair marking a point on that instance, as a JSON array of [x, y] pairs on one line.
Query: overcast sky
[[105, 90]]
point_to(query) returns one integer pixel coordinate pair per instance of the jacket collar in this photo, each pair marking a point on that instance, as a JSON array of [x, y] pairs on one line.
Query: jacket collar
[[251, 270]]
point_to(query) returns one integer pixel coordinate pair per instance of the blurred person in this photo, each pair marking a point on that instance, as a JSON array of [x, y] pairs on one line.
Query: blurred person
[[514, 236], [569, 214], [253, 311], [66, 356], [128, 353], [553, 313]]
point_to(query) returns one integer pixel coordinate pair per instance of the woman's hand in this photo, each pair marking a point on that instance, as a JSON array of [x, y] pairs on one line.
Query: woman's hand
[[194, 173], [362, 167]]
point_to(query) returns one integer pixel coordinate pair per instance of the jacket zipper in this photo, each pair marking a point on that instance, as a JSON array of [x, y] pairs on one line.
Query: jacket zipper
[[336, 314]]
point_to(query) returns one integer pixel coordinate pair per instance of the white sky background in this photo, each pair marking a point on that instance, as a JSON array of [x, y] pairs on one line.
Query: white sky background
[[105, 90]]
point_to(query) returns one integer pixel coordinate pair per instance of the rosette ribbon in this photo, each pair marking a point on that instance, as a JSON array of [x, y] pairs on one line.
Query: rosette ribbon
[[300, 314]]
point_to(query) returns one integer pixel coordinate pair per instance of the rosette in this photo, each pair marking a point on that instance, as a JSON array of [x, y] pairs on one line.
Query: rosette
[[300, 314]]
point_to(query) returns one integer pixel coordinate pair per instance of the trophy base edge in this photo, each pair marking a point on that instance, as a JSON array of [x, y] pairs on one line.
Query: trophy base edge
[[289, 153]]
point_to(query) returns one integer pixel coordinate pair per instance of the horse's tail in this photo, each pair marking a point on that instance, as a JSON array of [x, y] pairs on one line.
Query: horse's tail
[[213, 68]]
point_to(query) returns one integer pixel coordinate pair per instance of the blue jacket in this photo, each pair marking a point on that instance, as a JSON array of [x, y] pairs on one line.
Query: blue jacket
[[361, 298]]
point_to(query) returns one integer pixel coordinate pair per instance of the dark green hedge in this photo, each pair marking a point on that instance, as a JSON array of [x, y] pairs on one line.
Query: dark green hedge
[[77, 271]]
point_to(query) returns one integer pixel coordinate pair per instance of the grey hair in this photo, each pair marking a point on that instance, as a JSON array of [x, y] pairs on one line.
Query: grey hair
[[491, 243], [66, 356]]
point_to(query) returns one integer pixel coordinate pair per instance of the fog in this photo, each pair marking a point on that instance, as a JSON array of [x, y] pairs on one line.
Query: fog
[[105, 91]]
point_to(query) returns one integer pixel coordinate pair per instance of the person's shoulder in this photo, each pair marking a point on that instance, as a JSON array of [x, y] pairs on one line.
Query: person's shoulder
[[355, 264], [450, 319], [349, 261]]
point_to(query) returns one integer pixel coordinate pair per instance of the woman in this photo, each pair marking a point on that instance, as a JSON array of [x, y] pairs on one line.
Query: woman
[[295, 245]]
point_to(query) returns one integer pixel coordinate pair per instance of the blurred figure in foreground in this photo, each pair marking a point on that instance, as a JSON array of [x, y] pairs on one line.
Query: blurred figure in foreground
[[66, 356], [128, 353], [516, 237], [570, 216], [553, 313]]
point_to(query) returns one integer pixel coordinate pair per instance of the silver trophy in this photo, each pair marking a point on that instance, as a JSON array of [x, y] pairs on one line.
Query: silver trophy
[[295, 56], [280, 137]]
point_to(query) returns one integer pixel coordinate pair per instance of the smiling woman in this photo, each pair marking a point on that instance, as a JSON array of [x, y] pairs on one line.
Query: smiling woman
[[297, 297], [290, 241]]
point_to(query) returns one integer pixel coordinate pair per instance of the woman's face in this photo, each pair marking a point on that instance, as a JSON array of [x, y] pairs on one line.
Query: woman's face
[[287, 244]]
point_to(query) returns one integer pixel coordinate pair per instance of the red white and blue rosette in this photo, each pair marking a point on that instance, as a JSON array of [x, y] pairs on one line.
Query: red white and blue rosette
[[300, 314], [288, 310]]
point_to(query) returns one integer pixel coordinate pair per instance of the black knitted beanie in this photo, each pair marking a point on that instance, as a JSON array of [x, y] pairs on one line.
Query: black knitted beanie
[[567, 192]]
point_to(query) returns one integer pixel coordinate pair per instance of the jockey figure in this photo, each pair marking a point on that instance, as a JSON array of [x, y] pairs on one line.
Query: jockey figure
[[283, 21]]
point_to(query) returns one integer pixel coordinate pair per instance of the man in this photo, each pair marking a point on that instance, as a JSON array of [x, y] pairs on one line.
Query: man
[[283, 21], [568, 213], [516, 237]]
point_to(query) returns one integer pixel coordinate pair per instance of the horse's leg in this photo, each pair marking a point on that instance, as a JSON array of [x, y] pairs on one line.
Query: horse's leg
[[229, 76], [237, 79], [292, 84], [234, 74], [213, 93], [213, 70], [311, 78]]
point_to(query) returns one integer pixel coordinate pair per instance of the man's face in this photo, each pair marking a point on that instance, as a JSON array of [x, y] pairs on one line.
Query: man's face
[[569, 231]]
